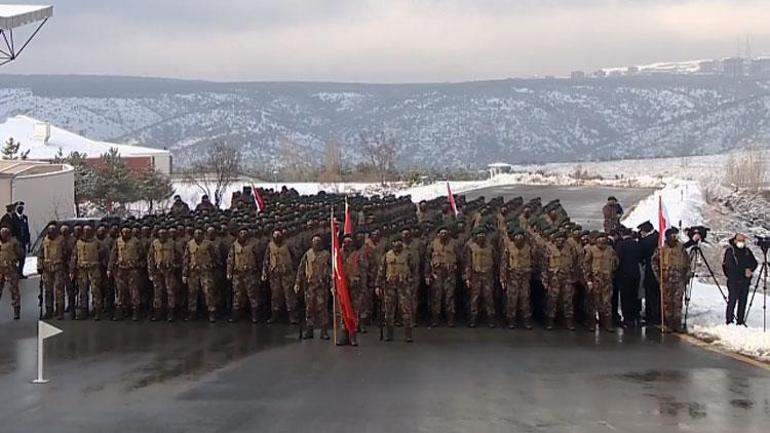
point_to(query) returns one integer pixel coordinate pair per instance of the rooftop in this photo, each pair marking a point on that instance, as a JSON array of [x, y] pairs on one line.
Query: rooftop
[[12, 16], [23, 130]]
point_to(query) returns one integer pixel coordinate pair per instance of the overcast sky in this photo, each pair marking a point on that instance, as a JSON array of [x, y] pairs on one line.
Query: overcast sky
[[384, 40]]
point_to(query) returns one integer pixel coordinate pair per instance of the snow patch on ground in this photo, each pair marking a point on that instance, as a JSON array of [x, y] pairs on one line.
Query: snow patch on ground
[[683, 200]]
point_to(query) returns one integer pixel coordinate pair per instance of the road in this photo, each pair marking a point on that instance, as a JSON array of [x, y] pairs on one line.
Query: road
[[584, 204], [197, 377]]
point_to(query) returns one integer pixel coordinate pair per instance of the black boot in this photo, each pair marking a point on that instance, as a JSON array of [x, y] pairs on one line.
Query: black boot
[[212, 317], [235, 316], [571, 324], [408, 334], [353, 340], [170, 315], [608, 326], [388, 333], [324, 334], [308, 335], [549, 324], [118, 314], [48, 313], [293, 318], [135, 315], [344, 339], [155, 316], [97, 315], [16, 313], [254, 315]]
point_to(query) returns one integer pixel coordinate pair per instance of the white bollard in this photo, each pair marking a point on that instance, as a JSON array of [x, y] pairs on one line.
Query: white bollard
[[44, 331]]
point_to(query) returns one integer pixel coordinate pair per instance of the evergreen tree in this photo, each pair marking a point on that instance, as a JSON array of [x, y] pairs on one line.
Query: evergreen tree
[[153, 187], [114, 183], [11, 150]]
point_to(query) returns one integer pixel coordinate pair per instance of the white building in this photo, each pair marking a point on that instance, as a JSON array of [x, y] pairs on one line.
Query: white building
[[44, 140]]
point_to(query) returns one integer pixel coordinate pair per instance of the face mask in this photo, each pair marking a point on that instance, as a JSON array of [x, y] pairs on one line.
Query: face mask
[[740, 245]]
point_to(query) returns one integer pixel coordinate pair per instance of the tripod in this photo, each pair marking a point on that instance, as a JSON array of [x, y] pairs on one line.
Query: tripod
[[762, 276], [696, 255]]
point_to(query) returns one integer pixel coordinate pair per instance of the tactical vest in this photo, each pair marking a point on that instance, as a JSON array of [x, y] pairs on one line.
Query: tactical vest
[[88, 253], [243, 259], [443, 255], [602, 262], [9, 252], [672, 258], [200, 254], [351, 265], [163, 254], [519, 259], [128, 253], [280, 258], [397, 265], [53, 252], [481, 258]]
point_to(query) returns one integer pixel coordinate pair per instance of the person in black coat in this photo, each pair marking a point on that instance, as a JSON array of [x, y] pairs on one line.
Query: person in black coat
[[738, 265], [648, 243], [10, 220], [627, 277], [24, 235]]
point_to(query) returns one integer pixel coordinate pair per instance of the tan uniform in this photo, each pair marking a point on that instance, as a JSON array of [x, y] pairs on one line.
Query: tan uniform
[[125, 262], [599, 267], [560, 288], [673, 278], [10, 254], [278, 268], [162, 259], [441, 260], [243, 269], [314, 278], [85, 266], [479, 272], [515, 277], [395, 280], [53, 271], [199, 266]]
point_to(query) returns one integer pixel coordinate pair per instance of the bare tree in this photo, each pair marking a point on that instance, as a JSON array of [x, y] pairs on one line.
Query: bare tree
[[747, 169], [332, 164], [216, 170], [381, 151]]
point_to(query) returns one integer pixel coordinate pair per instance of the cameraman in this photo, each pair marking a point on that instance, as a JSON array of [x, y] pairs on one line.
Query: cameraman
[[738, 265]]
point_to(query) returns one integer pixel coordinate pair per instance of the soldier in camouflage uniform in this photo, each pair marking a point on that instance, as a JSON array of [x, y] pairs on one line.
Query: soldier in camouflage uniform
[[479, 276], [242, 271], [394, 287], [560, 284], [515, 277], [416, 251], [125, 261], [314, 278], [674, 277], [68, 242], [198, 274], [161, 267], [441, 264], [278, 269], [53, 270], [108, 289], [10, 255], [599, 264], [356, 267], [85, 267]]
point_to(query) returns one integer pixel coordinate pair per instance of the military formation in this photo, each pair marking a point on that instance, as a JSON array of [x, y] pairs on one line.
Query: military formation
[[493, 262]]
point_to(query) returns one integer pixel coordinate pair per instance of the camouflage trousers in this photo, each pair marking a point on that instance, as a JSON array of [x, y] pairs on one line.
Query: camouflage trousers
[[201, 282], [108, 290], [90, 280], [54, 283], [599, 299], [9, 276], [673, 292], [482, 295], [245, 290], [128, 287], [316, 306], [362, 299], [517, 296], [164, 283], [443, 287], [560, 293], [398, 297], [282, 292]]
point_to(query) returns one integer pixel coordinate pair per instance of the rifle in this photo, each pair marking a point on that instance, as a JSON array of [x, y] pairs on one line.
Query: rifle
[[40, 298], [381, 307]]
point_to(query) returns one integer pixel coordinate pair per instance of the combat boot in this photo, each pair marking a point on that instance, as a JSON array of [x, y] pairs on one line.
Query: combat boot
[[135, 315], [472, 324], [254, 315], [528, 324], [47, 315], [491, 324], [170, 315], [571, 324], [234, 317], [293, 318], [212, 317], [344, 339], [450, 321], [308, 335], [155, 316], [549, 324], [388, 333], [16, 313], [353, 340], [608, 325], [324, 335], [118, 314], [408, 334], [97, 316]]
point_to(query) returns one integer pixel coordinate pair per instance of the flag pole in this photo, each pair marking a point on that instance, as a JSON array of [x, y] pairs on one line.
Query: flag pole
[[660, 258], [334, 282]]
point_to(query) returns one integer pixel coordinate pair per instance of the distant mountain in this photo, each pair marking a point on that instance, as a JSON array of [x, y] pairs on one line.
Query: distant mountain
[[438, 125]]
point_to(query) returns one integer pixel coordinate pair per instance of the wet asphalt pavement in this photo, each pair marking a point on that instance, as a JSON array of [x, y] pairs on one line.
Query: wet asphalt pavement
[[196, 377], [583, 204]]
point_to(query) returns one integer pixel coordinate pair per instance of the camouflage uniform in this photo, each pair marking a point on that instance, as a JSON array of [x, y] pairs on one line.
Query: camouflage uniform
[[479, 272], [279, 269], [314, 277], [10, 254], [395, 280], [599, 266], [85, 266], [416, 252], [108, 283], [161, 262], [441, 267], [515, 276], [675, 275], [69, 285], [53, 271], [125, 262], [356, 269], [242, 267], [198, 270], [560, 287]]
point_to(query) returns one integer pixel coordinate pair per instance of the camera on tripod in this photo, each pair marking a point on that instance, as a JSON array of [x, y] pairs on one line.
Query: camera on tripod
[[697, 233], [763, 242]]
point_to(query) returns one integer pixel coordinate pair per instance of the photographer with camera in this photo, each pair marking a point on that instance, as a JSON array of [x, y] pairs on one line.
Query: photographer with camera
[[738, 266]]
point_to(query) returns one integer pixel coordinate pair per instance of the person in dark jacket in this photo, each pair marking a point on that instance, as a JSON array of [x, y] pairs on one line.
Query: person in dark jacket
[[10, 220], [648, 243], [627, 276], [738, 265], [24, 236]]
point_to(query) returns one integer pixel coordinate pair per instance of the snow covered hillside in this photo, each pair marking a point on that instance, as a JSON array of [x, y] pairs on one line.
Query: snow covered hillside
[[440, 125]]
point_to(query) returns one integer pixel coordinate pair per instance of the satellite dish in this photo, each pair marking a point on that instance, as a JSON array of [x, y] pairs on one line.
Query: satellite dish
[[14, 16]]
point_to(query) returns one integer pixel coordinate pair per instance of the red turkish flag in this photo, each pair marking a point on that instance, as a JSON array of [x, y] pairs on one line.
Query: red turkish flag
[[348, 228], [341, 283]]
